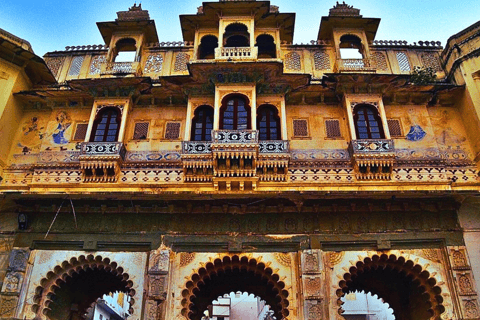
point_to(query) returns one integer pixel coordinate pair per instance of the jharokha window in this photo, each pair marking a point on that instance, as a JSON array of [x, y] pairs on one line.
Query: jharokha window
[[368, 124], [235, 113], [268, 123], [202, 124], [106, 125]]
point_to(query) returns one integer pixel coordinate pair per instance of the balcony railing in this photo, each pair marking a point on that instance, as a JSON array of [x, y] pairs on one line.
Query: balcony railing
[[119, 68], [355, 65], [196, 147], [235, 136], [102, 149], [236, 53], [273, 146], [366, 146]]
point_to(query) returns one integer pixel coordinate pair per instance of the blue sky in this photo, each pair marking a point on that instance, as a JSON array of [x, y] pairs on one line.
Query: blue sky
[[53, 24]]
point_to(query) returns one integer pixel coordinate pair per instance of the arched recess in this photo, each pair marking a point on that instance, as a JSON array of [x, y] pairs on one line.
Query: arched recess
[[206, 49], [125, 50], [266, 46], [268, 123], [236, 35], [202, 124], [67, 291], [233, 274], [106, 125], [368, 124], [409, 290], [351, 47]]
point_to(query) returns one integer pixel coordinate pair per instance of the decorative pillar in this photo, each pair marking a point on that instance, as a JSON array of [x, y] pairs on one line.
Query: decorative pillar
[[351, 123], [312, 273], [123, 124], [156, 288], [216, 111], [253, 103], [283, 118], [10, 292], [383, 116], [465, 285], [188, 122]]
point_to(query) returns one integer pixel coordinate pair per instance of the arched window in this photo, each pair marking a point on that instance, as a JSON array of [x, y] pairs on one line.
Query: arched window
[[268, 123], [235, 113], [202, 124], [106, 125], [266, 46], [125, 50], [351, 47], [236, 35], [368, 124], [206, 49]]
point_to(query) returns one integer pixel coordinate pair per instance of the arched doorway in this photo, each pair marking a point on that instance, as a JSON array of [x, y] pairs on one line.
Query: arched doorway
[[232, 274], [71, 288], [409, 290]]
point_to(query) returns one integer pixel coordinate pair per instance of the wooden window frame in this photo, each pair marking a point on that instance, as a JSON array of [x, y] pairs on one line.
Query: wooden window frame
[[97, 122], [224, 106], [275, 116], [76, 129], [203, 121], [402, 135], [339, 129], [148, 122], [377, 117]]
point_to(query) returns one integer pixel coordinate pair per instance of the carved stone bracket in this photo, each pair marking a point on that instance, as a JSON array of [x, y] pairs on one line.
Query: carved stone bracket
[[101, 161], [373, 159], [158, 267]]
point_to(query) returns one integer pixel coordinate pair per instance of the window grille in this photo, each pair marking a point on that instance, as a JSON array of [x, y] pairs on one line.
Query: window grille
[[403, 62], [172, 130], [333, 128], [394, 127], [380, 61], [80, 131], [95, 65], [141, 131], [292, 61], [430, 60], [321, 60], [154, 63], [300, 128], [76, 66], [181, 60]]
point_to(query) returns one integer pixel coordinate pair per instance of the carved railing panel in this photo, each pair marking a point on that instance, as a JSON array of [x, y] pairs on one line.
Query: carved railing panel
[[236, 53], [372, 145], [355, 65], [102, 149], [273, 146], [119, 68], [235, 136], [196, 147]]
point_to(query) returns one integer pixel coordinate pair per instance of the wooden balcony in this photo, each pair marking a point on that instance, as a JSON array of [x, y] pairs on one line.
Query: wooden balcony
[[112, 68], [355, 65], [236, 53]]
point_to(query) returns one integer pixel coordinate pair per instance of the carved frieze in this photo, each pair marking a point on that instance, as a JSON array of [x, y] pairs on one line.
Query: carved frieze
[[314, 309], [459, 259], [471, 309], [159, 261], [8, 305], [186, 258], [18, 260], [157, 285], [465, 284], [12, 282], [313, 286], [310, 261]]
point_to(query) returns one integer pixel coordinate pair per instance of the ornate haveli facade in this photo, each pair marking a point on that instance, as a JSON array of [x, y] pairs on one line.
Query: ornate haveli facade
[[236, 161]]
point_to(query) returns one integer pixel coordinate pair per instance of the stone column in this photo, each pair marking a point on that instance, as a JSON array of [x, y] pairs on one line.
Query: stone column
[[10, 293], [313, 284], [156, 286]]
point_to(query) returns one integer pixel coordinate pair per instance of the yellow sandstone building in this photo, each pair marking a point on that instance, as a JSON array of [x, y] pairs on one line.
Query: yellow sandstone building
[[236, 161]]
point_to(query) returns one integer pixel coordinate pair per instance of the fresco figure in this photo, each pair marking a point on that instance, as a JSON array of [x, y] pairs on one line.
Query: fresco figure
[[64, 123]]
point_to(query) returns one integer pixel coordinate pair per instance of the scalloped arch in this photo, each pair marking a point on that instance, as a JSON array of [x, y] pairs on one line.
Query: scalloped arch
[[199, 289], [77, 267], [386, 276]]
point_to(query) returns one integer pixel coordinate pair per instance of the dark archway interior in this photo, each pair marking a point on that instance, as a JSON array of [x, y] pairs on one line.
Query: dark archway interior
[[236, 35], [79, 291], [266, 47], [206, 50], [229, 280], [409, 291]]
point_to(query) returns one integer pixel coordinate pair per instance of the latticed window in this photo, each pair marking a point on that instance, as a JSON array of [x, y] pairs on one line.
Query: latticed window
[[95, 65], [181, 60], [80, 131], [268, 123], [394, 127], [154, 63], [430, 60], [332, 126], [321, 60], [300, 128], [202, 124], [140, 131], [235, 114], [292, 61], [172, 130], [76, 66], [106, 125], [403, 62], [380, 61], [368, 124]]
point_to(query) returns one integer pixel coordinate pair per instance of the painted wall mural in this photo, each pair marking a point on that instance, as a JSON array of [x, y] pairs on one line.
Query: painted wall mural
[[416, 132], [33, 133], [63, 123]]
